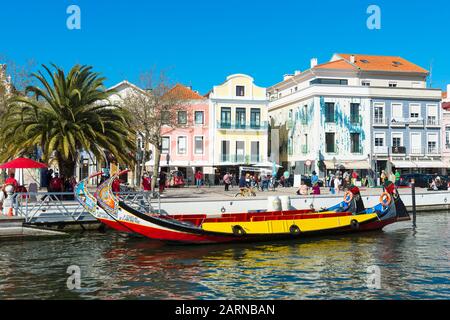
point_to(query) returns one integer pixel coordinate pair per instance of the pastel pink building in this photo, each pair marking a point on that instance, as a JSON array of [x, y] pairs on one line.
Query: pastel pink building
[[186, 148]]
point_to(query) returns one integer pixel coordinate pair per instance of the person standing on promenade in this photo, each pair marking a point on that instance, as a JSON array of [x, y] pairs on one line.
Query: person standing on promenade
[[227, 181], [383, 177], [12, 181], [146, 182], [337, 184], [162, 181], [198, 178], [397, 177]]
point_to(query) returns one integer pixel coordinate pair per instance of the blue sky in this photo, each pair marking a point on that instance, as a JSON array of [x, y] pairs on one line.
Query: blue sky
[[200, 42]]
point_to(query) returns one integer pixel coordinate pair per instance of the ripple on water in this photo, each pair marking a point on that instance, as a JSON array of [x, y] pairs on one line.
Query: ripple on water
[[413, 265]]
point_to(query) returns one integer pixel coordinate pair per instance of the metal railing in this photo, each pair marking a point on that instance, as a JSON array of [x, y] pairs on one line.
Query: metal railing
[[243, 126], [38, 207]]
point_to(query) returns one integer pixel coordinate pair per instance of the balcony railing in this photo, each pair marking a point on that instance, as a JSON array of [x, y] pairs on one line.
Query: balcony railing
[[417, 150], [356, 120], [241, 126], [398, 150], [380, 121], [407, 121], [433, 150], [240, 158], [225, 157], [305, 149], [254, 158], [433, 121], [356, 149], [380, 150]]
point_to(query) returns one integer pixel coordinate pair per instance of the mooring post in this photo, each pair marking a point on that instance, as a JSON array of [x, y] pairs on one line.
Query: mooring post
[[413, 195]]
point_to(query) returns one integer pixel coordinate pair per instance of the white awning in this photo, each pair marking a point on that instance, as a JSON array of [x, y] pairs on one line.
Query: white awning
[[430, 164], [356, 165], [401, 164]]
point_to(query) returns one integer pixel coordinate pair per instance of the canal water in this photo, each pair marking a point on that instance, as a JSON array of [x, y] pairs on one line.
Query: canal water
[[412, 265]]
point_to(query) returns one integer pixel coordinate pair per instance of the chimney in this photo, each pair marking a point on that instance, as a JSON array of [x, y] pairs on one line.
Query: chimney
[[313, 62], [287, 76], [448, 90], [352, 58], [297, 72]]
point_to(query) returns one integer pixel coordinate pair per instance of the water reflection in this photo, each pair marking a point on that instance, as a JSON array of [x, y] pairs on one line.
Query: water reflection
[[114, 266]]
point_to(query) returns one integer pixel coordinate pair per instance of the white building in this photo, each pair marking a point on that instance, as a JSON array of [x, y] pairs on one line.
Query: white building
[[356, 112]]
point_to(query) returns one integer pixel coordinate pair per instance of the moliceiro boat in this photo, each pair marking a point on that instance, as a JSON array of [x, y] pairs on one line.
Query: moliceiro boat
[[260, 225]]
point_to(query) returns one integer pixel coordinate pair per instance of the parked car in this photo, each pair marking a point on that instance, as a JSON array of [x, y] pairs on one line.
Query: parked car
[[422, 180], [175, 179]]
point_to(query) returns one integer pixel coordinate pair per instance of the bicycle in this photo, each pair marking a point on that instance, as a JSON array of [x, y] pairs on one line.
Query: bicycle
[[246, 192]]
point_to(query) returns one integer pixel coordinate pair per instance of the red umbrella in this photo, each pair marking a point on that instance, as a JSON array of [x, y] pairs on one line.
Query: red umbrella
[[22, 163]]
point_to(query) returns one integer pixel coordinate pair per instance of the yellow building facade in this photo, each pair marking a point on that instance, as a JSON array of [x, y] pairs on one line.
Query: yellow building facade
[[239, 113]]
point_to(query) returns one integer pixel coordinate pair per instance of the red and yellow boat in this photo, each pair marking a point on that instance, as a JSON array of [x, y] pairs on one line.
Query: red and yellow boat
[[348, 216]]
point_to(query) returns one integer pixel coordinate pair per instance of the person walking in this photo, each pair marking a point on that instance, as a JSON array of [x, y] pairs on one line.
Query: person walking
[[227, 181]]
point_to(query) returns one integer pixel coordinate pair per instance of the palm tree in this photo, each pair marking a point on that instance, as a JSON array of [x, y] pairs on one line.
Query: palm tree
[[67, 114]]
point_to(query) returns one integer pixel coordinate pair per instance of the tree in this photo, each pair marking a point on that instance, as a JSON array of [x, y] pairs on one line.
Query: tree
[[153, 109], [67, 114], [14, 78]]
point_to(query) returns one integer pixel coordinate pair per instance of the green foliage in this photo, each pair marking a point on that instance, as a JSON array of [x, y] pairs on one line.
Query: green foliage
[[64, 115]]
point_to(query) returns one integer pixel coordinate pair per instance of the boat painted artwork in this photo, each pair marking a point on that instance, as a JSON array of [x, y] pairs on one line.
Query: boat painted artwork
[[348, 216]]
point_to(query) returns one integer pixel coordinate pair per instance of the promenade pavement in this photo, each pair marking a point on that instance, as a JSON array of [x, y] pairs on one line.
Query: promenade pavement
[[218, 192]]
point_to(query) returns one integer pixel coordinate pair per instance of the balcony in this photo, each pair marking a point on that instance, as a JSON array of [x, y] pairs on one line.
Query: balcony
[[401, 122], [254, 158], [417, 151], [356, 149], [380, 150], [432, 150], [242, 126], [305, 149], [379, 121], [433, 122], [355, 120], [225, 157], [416, 122], [240, 158], [398, 150]]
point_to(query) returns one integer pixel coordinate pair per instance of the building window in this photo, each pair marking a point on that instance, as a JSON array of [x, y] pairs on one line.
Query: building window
[[199, 117], [397, 112], [240, 151], [365, 83], [378, 114], [290, 147], [416, 143], [255, 151], [225, 117], [255, 118], [414, 111], [182, 117], [392, 84], [225, 156], [379, 140], [198, 147], [165, 145], [342, 82], [329, 112], [432, 118], [240, 118], [354, 112], [240, 91], [165, 117], [181, 145], [447, 137], [355, 143], [432, 143], [330, 143]]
